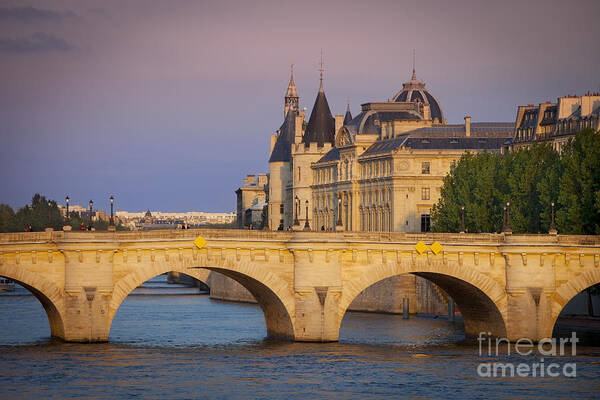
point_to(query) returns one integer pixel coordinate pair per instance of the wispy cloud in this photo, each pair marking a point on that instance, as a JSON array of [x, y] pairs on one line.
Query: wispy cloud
[[31, 14], [36, 43]]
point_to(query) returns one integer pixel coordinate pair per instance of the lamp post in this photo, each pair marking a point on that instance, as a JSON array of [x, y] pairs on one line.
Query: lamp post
[[507, 228], [552, 230], [67, 203], [306, 225], [90, 225], [462, 219], [49, 214], [296, 221], [112, 220]]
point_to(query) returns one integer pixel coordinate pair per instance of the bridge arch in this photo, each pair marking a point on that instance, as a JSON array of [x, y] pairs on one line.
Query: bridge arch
[[482, 300], [566, 292], [270, 291], [48, 294]]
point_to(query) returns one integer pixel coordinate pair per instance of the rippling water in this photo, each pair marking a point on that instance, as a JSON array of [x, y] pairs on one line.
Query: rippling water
[[188, 346]]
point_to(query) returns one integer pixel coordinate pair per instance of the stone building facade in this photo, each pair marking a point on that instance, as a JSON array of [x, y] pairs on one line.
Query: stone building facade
[[379, 171], [558, 122], [252, 196]]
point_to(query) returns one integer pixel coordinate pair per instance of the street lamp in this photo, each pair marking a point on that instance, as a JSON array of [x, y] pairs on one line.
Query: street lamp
[[553, 230], [90, 225], [507, 228], [67, 203], [306, 226], [112, 201], [462, 219], [296, 221], [49, 214]]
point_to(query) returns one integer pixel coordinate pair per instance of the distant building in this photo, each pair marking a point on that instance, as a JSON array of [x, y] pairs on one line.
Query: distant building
[[250, 196], [558, 122]]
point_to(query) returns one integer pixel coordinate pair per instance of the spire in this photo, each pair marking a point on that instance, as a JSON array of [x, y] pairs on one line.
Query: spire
[[291, 95], [348, 116], [291, 90], [414, 75], [321, 73]]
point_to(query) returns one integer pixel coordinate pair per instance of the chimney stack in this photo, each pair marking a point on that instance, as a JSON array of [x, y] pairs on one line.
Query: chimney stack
[[467, 126]]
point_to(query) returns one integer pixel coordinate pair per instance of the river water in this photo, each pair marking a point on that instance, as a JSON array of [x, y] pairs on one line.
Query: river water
[[167, 343]]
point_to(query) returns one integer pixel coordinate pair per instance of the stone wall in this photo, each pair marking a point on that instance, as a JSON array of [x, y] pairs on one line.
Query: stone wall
[[383, 297]]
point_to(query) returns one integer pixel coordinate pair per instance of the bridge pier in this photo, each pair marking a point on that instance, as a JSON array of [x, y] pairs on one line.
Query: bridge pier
[[89, 283], [317, 292]]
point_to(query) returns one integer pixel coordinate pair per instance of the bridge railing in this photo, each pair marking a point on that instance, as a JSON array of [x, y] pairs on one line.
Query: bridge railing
[[259, 235]]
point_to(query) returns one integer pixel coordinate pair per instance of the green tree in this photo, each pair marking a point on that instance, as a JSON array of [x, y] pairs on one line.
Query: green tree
[[8, 219], [39, 215], [533, 180], [478, 183], [579, 198]]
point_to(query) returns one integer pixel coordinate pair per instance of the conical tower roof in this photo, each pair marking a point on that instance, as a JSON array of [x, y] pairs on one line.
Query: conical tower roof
[[282, 151], [321, 124], [291, 90], [348, 116]]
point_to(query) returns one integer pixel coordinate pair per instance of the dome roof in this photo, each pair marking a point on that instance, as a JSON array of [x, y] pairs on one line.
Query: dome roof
[[414, 91]]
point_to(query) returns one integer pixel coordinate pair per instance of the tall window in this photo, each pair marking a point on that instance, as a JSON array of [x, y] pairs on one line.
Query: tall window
[[424, 193], [425, 223], [281, 209], [425, 168], [299, 177]]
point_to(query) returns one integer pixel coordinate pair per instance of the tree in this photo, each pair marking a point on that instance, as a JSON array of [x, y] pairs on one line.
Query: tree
[[579, 194], [531, 172], [8, 219], [39, 215], [478, 183]]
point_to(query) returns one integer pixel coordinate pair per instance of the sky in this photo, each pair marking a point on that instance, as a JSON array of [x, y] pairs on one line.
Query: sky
[[167, 105]]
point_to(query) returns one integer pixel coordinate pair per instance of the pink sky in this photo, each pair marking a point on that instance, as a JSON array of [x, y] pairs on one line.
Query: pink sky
[[167, 105]]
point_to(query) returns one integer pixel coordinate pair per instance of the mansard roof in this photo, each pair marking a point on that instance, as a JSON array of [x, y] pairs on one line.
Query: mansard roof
[[321, 124], [483, 136], [282, 151]]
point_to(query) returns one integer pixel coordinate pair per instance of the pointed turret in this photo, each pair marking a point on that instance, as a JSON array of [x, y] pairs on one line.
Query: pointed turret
[[282, 151], [291, 95], [321, 124], [348, 116]]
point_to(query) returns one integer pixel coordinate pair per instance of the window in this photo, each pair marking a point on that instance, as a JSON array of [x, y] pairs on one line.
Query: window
[[281, 209], [424, 193], [425, 223], [425, 168], [299, 176]]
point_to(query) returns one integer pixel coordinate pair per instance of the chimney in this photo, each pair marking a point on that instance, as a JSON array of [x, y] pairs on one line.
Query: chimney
[[467, 126], [339, 122]]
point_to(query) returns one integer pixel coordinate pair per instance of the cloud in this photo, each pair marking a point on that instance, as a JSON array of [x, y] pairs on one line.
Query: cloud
[[31, 14], [36, 43]]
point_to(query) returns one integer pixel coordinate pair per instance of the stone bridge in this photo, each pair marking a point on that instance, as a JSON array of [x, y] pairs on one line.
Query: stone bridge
[[509, 285]]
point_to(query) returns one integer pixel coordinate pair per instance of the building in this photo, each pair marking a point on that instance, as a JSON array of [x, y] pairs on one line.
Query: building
[[558, 122], [251, 199], [379, 171]]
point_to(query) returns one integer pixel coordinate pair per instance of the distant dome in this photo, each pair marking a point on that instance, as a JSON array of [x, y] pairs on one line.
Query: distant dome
[[414, 91], [148, 214]]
